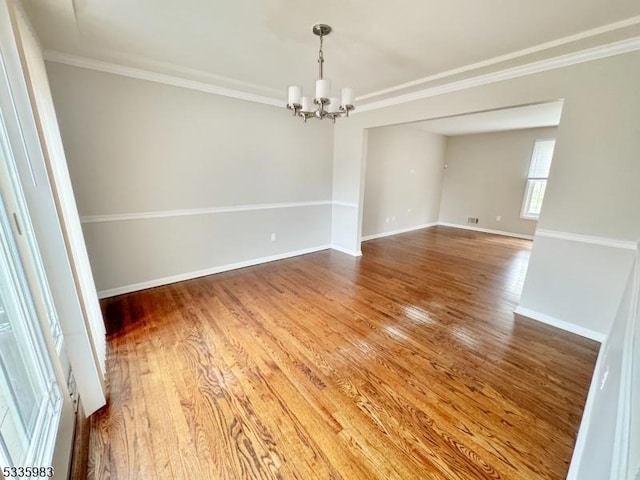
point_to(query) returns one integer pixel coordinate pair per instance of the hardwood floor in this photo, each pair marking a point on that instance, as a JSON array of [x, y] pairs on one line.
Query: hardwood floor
[[406, 363]]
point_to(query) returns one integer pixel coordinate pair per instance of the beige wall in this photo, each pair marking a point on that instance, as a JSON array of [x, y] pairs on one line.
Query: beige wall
[[138, 146], [593, 181], [135, 146], [597, 142], [486, 178], [169, 248], [403, 179]]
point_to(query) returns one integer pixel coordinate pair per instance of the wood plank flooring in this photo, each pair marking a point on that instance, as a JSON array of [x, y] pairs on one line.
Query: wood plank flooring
[[406, 363]]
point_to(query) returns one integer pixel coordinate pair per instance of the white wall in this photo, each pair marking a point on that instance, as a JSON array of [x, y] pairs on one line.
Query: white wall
[[593, 182], [605, 449], [136, 146], [486, 177], [403, 179], [576, 282], [138, 253]]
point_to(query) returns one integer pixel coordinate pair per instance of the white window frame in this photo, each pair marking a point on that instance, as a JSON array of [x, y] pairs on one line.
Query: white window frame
[[531, 181]]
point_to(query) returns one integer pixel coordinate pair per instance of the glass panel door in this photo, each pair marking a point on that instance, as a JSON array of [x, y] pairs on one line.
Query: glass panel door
[[30, 396]]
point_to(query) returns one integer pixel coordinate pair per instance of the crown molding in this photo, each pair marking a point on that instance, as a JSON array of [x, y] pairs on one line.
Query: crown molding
[[590, 54], [151, 76], [611, 27], [586, 55]]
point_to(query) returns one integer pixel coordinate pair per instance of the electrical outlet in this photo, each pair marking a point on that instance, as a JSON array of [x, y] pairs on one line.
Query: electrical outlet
[[472, 220], [498, 218], [273, 237], [387, 220]]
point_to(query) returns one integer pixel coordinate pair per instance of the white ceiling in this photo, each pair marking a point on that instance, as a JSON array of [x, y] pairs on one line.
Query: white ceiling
[[261, 46], [515, 118]]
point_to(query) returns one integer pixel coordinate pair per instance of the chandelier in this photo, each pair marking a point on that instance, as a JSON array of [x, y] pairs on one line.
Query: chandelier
[[323, 105]]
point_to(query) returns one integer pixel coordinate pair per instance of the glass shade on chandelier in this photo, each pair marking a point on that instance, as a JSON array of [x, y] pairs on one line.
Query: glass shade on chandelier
[[323, 105]]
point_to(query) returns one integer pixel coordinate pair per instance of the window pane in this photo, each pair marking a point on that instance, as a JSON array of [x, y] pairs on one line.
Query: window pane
[[30, 397], [21, 385], [17, 395], [536, 196], [541, 158], [54, 323]]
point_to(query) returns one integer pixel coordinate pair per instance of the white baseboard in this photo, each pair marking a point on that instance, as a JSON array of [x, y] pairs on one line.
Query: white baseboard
[[112, 292], [556, 322], [396, 232], [340, 203], [487, 230], [353, 253]]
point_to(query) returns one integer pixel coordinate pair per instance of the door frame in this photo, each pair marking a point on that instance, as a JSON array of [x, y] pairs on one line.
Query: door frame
[[30, 138], [38, 329]]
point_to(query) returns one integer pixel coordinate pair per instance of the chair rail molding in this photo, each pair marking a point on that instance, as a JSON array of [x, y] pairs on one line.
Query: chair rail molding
[[576, 237], [123, 217]]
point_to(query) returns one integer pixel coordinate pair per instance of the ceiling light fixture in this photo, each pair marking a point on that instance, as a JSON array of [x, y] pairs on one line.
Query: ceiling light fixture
[[324, 105]]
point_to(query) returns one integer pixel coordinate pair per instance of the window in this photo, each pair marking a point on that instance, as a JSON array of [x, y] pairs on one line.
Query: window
[[537, 178]]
